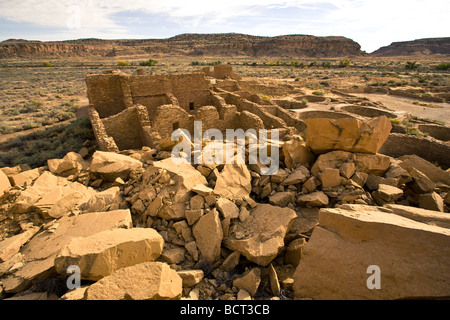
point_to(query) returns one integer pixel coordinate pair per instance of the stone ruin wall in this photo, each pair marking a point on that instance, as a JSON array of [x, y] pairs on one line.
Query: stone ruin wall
[[131, 111]]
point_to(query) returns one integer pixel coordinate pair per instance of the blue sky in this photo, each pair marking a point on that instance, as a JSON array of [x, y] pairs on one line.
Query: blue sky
[[370, 23]]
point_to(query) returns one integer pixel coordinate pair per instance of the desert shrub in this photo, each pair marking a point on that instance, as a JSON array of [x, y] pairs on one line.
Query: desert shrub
[[11, 112], [46, 64], [443, 66], [123, 63], [313, 64], [411, 65], [195, 63], [343, 63], [318, 93], [4, 128], [325, 83], [326, 64], [148, 63], [305, 101], [31, 106]]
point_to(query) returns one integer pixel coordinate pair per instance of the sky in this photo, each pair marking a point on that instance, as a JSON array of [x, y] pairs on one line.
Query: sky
[[371, 23]]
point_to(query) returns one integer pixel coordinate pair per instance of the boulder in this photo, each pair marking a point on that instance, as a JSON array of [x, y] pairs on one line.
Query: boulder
[[295, 152], [208, 236], [431, 201], [110, 165], [235, 181], [434, 173], [5, 185], [190, 277], [227, 208], [103, 201], [420, 182], [282, 199], [249, 281], [260, 238], [330, 178], [144, 281], [300, 175], [338, 261], [386, 194], [40, 252], [347, 134], [315, 199], [71, 164], [24, 178], [101, 254]]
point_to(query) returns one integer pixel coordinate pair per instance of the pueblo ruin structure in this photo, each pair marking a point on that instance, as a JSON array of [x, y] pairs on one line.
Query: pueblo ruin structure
[[132, 111]]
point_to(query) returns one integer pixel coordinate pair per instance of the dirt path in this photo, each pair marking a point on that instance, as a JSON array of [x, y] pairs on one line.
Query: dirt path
[[406, 104]]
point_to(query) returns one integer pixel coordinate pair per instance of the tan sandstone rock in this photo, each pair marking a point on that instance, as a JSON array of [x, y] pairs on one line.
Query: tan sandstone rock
[[144, 281], [5, 185], [295, 152], [249, 281], [347, 134], [261, 236], [337, 262], [71, 164], [110, 165], [101, 254], [208, 236], [234, 181]]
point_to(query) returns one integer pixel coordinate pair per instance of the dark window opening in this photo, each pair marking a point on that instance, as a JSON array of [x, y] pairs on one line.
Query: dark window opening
[[175, 126], [191, 106]]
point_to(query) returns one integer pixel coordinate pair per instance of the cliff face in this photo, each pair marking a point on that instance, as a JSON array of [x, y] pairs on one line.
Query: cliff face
[[417, 47], [187, 44]]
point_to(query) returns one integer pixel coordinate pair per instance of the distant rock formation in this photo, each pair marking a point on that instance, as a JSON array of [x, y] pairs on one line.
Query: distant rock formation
[[195, 45], [416, 47]]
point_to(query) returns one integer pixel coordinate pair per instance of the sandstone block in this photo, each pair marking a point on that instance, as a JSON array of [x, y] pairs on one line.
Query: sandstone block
[[110, 165], [208, 235], [249, 281], [431, 201]]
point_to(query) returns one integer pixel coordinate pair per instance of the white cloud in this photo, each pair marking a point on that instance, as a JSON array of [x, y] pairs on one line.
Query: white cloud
[[371, 23]]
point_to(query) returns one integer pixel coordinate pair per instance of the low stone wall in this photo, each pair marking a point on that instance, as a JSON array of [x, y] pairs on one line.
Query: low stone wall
[[430, 149], [323, 114], [367, 111], [438, 132]]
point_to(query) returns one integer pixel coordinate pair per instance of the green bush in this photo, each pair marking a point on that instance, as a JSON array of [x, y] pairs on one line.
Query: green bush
[[318, 93], [148, 63], [46, 64], [344, 63], [326, 64], [443, 66], [411, 65], [31, 106], [123, 63]]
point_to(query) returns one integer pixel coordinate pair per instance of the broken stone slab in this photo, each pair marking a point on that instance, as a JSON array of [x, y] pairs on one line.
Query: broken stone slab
[[295, 152], [40, 252], [202, 190], [103, 201], [341, 250], [144, 281], [102, 253], [330, 178], [190, 277], [71, 164], [249, 281], [347, 170], [173, 255], [431, 201], [294, 251], [421, 183], [10, 246], [315, 199], [227, 208], [386, 194], [110, 165], [300, 175], [25, 178], [261, 237], [273, 280], [5, 184], [282, 199], [434, 173], [347, 134], [208, 236], [235, 181]]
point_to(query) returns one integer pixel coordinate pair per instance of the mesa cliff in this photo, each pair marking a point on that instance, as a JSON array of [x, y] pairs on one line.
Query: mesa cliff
[[196, 45], [427, 46]]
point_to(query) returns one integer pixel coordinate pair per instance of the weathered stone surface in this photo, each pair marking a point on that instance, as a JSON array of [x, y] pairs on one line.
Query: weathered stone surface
[[332, 160], [71, 164], [101, 254], [227, 208], [173, 255], [144, 281], [5, 185], [208, 235], [435, 174], [191, 277], [315, 199], [431, 201], [249, 281], [335, 261], [110, 165], [39, 254], [347, 134], [202, 190], [234, 181], [103, 201], [330, 178], [372, 163], [294, 251], [295, 152], [12, 245], [386, 193], [298, 176], [273, 280], [421, 183], [25, 178], [54, 197], [261, 237], [282, 199], [347, 170], [76, 294]]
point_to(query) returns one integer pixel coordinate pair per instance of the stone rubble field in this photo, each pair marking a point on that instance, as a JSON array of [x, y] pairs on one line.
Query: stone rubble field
[[140, 227]]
